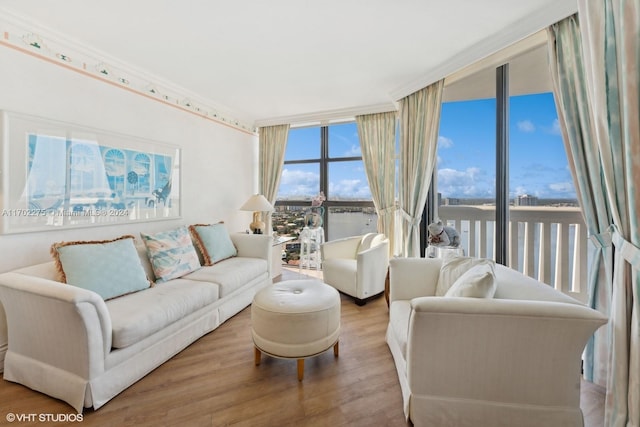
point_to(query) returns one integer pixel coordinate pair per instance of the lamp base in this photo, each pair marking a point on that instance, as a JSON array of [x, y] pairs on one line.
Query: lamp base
[[257, 226]]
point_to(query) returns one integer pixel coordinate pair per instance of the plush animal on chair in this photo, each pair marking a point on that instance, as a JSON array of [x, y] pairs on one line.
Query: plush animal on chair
[[443, 235]]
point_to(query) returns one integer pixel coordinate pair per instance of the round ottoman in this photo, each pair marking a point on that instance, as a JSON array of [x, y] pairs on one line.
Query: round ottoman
[[295, 319]]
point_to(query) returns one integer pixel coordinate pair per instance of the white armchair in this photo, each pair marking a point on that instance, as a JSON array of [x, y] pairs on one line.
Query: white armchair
[[510, 360], [356, 266]]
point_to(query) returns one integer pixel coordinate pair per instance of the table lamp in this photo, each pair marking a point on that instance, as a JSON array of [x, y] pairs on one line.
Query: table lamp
[[257, 204]]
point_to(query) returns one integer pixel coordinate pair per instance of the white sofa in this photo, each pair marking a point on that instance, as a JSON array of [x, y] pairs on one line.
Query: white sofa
[[510, 360], [356, 266], [67, 342]]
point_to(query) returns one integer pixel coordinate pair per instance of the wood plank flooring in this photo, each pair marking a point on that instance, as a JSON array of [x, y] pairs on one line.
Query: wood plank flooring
[[214, 382]]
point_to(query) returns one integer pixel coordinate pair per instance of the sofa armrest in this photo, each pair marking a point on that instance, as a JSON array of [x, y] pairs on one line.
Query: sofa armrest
[[510, 351], [413, 277], [346, 247], [56, 324], [253, 245]]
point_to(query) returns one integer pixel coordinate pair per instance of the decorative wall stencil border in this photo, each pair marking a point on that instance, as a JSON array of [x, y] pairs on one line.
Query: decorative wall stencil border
[[34, 44]]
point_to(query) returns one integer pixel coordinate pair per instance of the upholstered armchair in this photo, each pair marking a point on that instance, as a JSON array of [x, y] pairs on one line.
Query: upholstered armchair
[[510, 359], [356, 266]]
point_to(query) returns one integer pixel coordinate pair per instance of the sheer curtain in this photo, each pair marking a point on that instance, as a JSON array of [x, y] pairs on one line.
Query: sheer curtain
[[610, 40], [272, 142], [377, 134], [419, 124], [570, 92]]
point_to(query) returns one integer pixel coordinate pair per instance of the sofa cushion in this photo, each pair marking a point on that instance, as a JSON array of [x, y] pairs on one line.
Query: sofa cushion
[[108, 267], [453, 267], [399, 315], [231, 274], [137, 316], [477, 282], [213, 241], [171, 253]]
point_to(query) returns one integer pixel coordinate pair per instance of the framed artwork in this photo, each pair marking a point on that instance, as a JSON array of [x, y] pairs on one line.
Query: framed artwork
[[55, 175]]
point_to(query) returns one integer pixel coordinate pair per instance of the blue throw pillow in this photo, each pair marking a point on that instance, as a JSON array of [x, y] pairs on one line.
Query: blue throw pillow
[[171, 253], [110, 268], [213, 241]]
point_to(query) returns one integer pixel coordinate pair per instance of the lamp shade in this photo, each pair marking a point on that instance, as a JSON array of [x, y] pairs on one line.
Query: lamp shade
[[257, 203]]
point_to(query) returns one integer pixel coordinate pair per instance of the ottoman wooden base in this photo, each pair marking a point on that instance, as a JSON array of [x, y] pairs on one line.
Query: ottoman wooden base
[[258, 357]]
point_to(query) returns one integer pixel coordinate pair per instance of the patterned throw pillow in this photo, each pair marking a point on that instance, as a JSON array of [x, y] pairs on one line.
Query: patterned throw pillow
[[171, 253], [453, 267], [110, 268], [213, 241]]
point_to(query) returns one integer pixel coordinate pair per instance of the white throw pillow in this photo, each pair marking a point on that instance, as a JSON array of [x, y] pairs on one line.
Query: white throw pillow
[[477, 282], [453, 267]]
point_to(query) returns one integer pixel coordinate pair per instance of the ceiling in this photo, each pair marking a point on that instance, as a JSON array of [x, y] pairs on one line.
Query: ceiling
[[290, 61]]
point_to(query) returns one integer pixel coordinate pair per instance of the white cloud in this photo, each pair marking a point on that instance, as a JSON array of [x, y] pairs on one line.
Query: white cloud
[[290, 177], [298, 183], [555, 127], [526, 126], [471, 182], [354, 151], [520, 190], [444, 142], [562, 187], [349, 188]]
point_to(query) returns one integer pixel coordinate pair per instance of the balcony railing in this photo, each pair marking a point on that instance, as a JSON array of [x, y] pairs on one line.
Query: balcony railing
[[546, 243]]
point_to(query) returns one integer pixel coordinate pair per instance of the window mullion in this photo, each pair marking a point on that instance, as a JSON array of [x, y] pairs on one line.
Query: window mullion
[[502, 163], [324, 176]]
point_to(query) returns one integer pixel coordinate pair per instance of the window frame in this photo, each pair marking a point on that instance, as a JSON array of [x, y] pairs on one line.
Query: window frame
[[324, 161]]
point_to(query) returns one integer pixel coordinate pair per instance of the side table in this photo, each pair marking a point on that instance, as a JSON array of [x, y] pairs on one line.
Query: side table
[[442, 251], [310, 241]]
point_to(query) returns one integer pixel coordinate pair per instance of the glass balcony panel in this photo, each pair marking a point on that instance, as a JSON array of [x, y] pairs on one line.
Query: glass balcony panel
[[466, 172], [540, 178]]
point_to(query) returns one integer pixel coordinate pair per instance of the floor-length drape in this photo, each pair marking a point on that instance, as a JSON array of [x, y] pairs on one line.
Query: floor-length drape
[[377, 134], [272, 142], [610, 32], [419, 124], [570, 93]]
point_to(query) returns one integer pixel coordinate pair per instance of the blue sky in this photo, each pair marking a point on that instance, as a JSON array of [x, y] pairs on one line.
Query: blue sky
[[466, 154], [537, 160], [346, 179]]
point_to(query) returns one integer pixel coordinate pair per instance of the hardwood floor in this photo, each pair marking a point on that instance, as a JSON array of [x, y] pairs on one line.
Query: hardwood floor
[[214, 382]]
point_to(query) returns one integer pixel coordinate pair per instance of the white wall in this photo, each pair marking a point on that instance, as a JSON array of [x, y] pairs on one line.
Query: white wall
[[218, 162]]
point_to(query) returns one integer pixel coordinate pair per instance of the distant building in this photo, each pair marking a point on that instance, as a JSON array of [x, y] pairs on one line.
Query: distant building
[[525, 200], [451, 201]]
